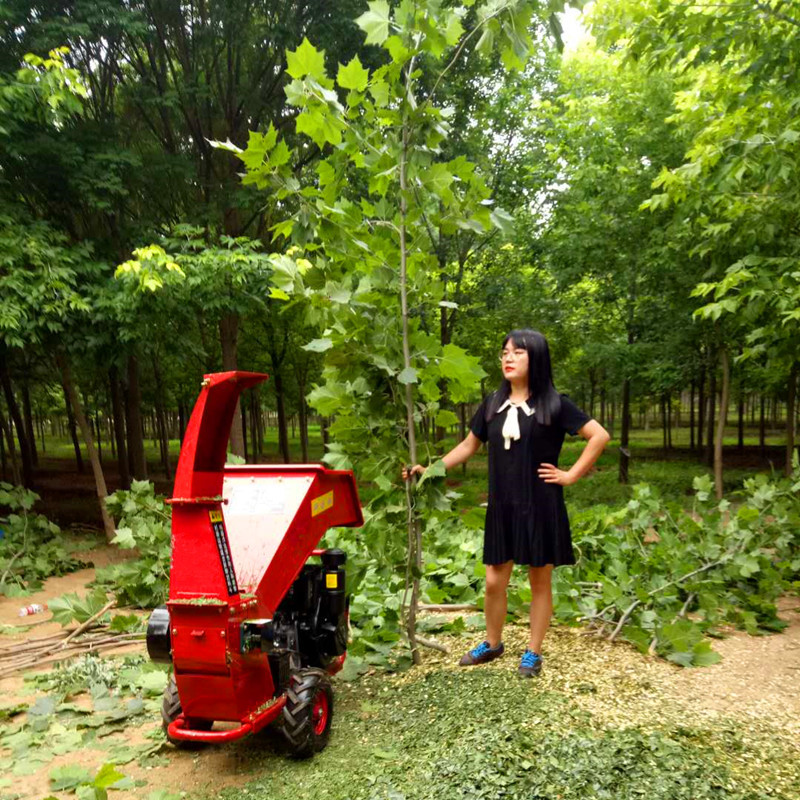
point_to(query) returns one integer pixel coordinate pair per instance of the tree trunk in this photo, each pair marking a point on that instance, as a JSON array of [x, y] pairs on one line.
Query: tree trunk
[[30, 433], [723, 418], [99, 479], [701, 410], [133, 421], [303, 422], [73, 431], [414, 566], [228, 338], [712, 399], [624, 451], [17, 422], [161, 421], [603, 404], [664, 426], [8, 435], [283, 433], [762, 425], [181, 420], [691, 417], [790, 416], [119, 428]]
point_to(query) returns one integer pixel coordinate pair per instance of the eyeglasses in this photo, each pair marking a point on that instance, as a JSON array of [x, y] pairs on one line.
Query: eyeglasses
[[518, 353]]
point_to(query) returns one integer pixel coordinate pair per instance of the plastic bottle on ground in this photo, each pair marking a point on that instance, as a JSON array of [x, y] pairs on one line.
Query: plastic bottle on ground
[[33, 608]]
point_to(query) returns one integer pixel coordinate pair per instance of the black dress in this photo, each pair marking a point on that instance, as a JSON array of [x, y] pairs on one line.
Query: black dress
[[526, 521]]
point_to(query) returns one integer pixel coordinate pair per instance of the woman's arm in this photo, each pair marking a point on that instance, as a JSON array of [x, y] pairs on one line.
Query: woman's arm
[[596, 439], [462, 452]]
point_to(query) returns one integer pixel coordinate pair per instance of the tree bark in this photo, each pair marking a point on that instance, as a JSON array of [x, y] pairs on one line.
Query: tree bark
[[73, 432], [701, 409], [99, 479], [302, 412], [691, 416], [30, 433], [228, 339], [624, 451], [133, 420], [762, 425], [163, 439], [283, 432], [17, 422], [712, 400], [119, 428], [12, 451], [790, 416], [414, 567], [723, 418]]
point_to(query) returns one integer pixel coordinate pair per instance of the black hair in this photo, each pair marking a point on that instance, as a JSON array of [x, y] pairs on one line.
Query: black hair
[[543, 395]]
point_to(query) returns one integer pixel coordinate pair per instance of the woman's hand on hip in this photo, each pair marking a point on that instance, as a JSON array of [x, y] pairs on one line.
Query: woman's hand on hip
[[552, 474], [417, 469]]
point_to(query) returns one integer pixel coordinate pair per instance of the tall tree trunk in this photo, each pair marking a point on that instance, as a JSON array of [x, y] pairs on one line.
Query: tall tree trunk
[[624, 451], [691, 416], [161, 421], [790, 416], [740, 443], [118, 416], [8, 435], [17, 422], [414, 567], [99, 479], [228, 339], [133, 421], [303, 421], [181, 420], [762, 425], [73, 431], [30, 433], [603, 404], [701, 409], [280, 404], [723, 418], [668, 401], [664, 433], [712, 400]]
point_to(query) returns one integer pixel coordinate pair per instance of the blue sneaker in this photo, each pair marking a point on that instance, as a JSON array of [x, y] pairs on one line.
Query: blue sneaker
[[481, 654], [531, 664]]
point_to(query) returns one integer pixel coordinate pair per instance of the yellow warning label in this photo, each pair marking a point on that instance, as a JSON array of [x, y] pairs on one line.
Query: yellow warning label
[[215, 516], [321, 503], [331, 581]]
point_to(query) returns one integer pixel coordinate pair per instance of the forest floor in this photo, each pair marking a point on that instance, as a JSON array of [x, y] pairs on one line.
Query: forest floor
[[602, 721]]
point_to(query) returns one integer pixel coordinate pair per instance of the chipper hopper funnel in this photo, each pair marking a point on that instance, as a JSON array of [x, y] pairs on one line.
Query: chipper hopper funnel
[[253, 631]]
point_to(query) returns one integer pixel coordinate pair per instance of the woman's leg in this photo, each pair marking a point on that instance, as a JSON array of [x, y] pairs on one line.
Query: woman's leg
[[541, 604], [496, 602]]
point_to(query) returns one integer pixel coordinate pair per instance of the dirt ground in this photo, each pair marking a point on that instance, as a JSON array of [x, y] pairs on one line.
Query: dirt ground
[[757, 679]]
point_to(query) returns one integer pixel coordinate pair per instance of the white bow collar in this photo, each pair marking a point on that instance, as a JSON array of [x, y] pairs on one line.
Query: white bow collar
[[523, 405], [511, 424]]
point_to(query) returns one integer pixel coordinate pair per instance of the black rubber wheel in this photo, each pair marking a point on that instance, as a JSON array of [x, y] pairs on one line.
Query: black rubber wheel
[[308, 713], [171, 710]]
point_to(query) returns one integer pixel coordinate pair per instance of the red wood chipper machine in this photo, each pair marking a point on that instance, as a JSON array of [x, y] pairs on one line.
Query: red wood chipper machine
[[253, 629]]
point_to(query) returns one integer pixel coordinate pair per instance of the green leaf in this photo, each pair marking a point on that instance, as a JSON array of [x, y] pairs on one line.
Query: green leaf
[[353, 76], [306, 60], [124, 538], [318, 345], [375, 22], [445, 417], [69, 777], [106, 776], [408, 375]]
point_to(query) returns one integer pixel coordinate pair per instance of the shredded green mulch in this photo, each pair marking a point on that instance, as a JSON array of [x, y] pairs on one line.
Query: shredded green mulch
[[601, 723]]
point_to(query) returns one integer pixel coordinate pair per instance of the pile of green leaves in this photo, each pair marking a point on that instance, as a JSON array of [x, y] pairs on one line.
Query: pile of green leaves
[[666, 577], [124, 692], [145, 523], [32, 547]]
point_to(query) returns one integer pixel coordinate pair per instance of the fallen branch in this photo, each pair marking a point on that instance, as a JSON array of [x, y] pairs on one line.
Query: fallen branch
[[88, 624], [448, 607], [429, 643]]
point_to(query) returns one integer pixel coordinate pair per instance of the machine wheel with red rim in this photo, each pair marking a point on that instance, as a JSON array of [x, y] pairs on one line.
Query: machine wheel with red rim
[[171, 710], [307, 715]]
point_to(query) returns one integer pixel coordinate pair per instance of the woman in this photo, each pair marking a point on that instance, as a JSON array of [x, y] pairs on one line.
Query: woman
[[524, 423]]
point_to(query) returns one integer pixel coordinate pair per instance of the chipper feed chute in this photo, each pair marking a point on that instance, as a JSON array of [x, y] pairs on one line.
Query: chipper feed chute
[[247, 618]]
